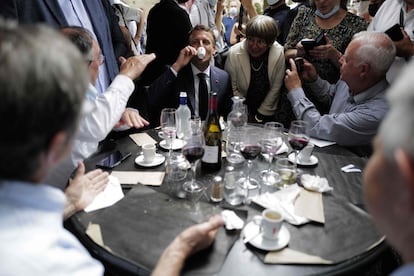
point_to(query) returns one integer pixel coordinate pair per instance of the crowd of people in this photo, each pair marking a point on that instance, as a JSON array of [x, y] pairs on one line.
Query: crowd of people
[[100, 66]]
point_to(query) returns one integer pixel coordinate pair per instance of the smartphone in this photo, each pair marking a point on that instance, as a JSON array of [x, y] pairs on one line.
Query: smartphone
[[308, 44], [299, 65], [112, 160], [395, 32]]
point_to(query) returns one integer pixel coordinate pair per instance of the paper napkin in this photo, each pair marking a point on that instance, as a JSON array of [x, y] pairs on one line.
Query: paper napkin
[[112, 194], [315, 183], [142, 138], [136, 177], [289, 256]]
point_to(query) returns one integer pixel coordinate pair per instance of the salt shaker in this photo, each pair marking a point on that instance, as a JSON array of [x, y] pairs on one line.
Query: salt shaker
[[217, 189]]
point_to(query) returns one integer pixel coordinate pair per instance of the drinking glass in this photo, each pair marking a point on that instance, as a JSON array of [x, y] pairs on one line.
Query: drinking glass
[[195, 123], [168, 124], [271, 141], [193, 151], [287, 172], [298, 137], [250, 148]]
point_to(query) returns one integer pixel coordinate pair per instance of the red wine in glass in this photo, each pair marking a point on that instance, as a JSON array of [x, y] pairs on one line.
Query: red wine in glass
[[193, 153], [298, 143], [250, 151]]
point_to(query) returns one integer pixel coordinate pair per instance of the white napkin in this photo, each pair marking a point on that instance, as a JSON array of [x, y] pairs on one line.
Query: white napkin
[[112, 194], [232, 220], [284, 148], [315, 183], [283, 201]]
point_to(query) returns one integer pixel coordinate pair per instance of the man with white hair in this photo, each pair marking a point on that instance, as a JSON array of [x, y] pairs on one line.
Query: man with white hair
[[389, 175], [358, 98]]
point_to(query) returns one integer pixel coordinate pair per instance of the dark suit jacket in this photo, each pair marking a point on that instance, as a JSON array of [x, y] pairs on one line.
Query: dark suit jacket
[[165, 90], [49, 12]]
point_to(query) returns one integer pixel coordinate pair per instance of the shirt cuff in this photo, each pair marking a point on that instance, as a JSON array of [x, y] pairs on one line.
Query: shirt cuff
[[173, 71], [123, 84]]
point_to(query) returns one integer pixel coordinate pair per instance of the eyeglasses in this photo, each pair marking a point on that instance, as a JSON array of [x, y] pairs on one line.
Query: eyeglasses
[[254, 40], [100, 59]]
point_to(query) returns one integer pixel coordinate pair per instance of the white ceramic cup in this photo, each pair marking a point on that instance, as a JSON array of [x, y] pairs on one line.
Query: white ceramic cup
[[270, 223], [148, 150], [306, 153]]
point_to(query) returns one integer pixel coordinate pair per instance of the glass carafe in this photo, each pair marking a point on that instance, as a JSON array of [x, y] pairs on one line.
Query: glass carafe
[[236, 122]]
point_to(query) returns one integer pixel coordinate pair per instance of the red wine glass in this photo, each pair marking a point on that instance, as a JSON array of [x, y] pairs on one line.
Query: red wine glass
[[298, 137]]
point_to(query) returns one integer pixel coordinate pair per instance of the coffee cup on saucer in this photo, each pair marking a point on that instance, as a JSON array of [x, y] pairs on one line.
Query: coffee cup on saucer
[[148, 151], [306, 153], [270, 223]]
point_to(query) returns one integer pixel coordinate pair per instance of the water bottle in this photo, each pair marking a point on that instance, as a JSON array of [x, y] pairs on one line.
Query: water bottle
[[183, 118]]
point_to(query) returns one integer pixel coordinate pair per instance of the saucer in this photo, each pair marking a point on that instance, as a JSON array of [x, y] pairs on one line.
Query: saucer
[[313, 160], [263, 243], [177, 144], [158, 160]]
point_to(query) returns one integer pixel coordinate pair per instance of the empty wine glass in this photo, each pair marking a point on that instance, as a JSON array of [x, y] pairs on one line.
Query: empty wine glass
[[271, 141], [193, 151], [250, 148], [168, 126], [298, 137]]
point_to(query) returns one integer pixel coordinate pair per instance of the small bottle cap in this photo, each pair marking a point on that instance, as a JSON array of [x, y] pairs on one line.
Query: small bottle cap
[[183, 94], [217, 178]]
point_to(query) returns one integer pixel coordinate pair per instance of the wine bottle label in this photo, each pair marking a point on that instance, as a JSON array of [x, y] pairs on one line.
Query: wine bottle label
[[211, 154]]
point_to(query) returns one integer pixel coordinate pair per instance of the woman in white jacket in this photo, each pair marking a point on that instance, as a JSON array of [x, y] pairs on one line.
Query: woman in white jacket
[[257, 68]]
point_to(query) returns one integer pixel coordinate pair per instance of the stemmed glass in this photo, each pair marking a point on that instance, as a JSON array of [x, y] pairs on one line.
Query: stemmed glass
[[271, 141], [250, 148], [298, 137], [168, 127], [193, 151]]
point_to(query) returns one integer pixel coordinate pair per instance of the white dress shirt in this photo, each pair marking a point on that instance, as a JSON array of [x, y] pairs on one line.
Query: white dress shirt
[[101, 112], [388, 15]]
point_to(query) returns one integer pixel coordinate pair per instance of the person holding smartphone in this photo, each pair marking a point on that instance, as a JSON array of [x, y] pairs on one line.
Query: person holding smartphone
[[331, 20], [399, 12]]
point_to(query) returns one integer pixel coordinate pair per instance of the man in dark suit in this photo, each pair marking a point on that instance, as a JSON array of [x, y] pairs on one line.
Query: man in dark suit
[[101, 16], [183, 76]]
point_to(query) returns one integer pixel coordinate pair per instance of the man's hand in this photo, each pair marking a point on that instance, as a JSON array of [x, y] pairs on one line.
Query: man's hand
[[292, 79], [131, 118], [191, 240], [135, 65], [83, 189], [185, 56], [405, 47]]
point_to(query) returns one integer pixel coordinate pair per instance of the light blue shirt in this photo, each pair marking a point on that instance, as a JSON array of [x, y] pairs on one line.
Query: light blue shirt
[[405, 270], [352, 121], [32, 237], [76, 15]]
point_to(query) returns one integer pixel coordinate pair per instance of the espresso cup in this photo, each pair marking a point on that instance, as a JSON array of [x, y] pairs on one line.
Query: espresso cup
[[148, 150], [306, 153], [270, 223]]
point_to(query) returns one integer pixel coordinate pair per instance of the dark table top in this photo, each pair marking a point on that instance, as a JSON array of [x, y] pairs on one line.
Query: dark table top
[[143, 223]]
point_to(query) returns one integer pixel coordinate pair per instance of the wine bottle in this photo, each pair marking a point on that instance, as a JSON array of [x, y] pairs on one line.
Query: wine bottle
[[211, 160]]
